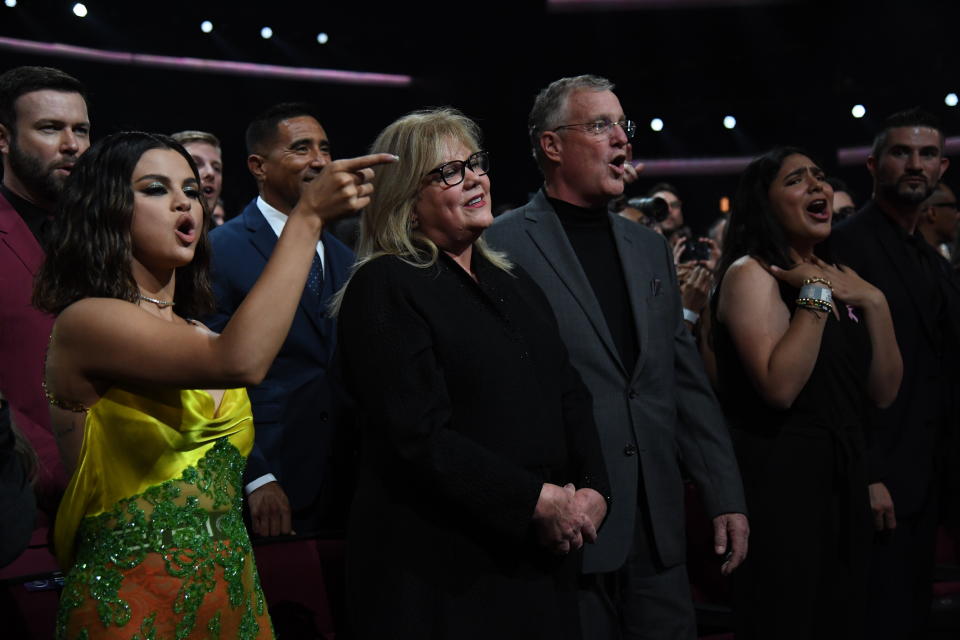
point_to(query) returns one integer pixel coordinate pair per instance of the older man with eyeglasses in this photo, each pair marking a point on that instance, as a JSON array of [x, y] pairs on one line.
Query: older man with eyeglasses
[[613, 288]]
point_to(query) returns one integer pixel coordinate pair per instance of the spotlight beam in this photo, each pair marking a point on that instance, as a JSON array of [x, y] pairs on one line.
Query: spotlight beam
[[199, 65]]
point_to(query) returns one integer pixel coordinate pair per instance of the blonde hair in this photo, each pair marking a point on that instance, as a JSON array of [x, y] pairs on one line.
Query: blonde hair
[[186, 137], [420, 139]]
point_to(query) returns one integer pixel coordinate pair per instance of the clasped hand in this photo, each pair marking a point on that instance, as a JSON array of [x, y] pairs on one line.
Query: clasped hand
[[565, 517]]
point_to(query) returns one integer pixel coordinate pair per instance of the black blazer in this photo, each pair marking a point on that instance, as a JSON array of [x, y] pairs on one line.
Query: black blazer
[[902, 439], [467, 404]]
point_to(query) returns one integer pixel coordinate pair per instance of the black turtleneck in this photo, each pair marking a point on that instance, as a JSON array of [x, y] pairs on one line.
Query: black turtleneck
[[35, 218], [591, 235]]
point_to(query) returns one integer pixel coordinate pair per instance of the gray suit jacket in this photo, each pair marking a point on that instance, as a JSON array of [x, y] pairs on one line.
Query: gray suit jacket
[[651, 413]]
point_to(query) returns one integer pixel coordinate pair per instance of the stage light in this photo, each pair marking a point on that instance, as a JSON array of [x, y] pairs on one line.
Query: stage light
[[656, 124], [80, 10], [950, 100], [206, 26], [858, 111], [266, 33], [10, 3], [322, 38], [729, 122]]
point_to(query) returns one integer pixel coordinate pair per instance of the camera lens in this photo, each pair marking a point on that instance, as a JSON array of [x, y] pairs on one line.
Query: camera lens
[[654, 208]]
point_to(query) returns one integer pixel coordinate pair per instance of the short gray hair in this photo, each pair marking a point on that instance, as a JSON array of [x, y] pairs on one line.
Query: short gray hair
[[550, 107]]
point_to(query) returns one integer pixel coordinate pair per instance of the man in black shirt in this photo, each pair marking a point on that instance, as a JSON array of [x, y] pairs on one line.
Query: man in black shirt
[[613, 288], [882, 243], [44, 128]]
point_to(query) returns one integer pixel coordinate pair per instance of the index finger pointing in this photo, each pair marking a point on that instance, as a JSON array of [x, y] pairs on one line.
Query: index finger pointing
[[363, 162]]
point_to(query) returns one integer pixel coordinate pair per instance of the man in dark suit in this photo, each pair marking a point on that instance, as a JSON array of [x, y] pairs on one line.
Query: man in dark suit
[[883, 245], [293, 406], [612, 285], [44, 127]]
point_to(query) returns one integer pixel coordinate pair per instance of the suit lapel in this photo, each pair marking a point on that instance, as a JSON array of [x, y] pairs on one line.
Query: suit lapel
[[15, 233], [548, 235], [261, 235], [264, 241], [638, 279]]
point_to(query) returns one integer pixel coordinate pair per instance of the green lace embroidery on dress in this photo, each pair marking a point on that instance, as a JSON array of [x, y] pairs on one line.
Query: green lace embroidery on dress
[[147, 630], [192, 541], [214, 626]]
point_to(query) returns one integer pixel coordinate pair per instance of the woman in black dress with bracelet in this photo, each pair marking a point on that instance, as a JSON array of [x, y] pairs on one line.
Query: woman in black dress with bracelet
[[480, 470], [801, 347]]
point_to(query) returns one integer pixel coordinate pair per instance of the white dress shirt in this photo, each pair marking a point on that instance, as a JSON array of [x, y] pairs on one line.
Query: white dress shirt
[[277, 220]]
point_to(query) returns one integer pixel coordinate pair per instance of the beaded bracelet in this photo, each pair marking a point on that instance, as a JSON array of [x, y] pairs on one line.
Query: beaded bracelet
[[817, 313], [73, 407], [815, 304]]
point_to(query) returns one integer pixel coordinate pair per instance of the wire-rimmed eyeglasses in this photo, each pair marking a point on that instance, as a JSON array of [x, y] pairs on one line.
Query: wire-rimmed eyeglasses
[[602, 127]]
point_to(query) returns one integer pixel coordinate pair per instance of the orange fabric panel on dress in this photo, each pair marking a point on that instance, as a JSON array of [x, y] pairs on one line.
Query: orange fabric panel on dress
[[149, 589]]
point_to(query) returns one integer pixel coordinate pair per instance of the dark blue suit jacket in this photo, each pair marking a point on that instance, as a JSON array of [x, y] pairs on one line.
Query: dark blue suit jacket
[[293, 408]]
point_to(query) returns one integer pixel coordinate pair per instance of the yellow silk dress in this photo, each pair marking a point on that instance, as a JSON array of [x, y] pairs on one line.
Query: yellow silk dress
[[150, 530]]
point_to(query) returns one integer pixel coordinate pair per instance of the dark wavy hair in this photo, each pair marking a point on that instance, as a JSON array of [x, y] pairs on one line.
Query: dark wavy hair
[[89, 252], [754, 229]]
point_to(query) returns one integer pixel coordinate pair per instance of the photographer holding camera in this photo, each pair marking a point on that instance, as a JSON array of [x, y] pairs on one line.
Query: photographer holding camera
[[695, 258]]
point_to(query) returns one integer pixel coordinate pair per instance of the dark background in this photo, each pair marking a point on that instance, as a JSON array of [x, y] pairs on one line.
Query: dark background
[[788, 71]]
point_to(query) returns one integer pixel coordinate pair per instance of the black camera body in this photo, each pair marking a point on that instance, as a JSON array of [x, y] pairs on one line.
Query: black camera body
[[695, 251]]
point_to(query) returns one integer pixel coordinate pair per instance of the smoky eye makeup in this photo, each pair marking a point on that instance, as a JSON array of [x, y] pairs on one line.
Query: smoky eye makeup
[[155, 188]]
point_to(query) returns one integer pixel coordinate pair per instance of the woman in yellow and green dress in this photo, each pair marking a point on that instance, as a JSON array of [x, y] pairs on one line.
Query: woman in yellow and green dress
[[147, 405]]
